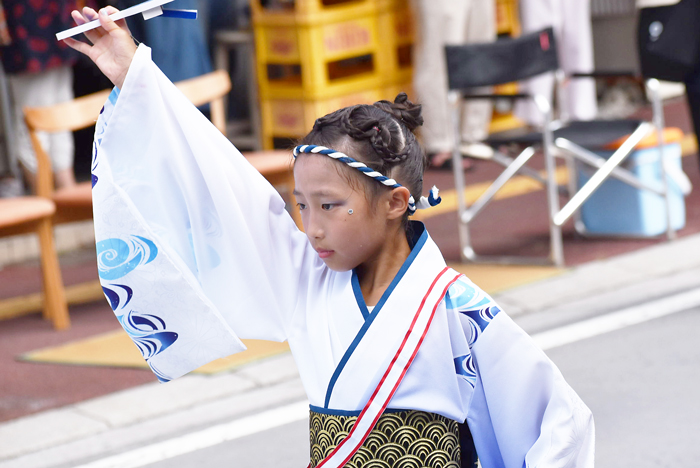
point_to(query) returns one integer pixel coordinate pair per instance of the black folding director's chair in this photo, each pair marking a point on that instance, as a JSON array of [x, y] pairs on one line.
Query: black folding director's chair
[[474, 66]]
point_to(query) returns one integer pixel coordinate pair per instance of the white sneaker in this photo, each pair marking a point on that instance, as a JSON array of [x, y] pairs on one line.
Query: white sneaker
[[476, 150]]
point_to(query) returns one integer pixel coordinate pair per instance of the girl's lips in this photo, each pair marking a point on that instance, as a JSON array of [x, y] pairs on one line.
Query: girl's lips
[[324, 253]]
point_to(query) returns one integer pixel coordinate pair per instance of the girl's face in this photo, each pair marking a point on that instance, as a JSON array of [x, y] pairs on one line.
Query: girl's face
[[343, 240]]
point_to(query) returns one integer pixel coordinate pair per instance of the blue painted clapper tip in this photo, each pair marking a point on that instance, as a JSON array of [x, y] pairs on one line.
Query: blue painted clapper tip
[[182, 14]]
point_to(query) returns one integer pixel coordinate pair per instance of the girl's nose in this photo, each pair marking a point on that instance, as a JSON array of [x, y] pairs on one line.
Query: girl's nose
[[313, 227]]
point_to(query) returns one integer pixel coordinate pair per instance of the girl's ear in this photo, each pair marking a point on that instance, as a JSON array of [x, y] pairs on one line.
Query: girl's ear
[[398, 202]]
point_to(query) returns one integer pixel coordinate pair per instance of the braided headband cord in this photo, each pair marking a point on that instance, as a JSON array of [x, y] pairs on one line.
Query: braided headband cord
[[432, 199]]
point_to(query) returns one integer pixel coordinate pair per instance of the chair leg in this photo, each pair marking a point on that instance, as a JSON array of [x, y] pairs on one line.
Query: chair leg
[[55, 305]]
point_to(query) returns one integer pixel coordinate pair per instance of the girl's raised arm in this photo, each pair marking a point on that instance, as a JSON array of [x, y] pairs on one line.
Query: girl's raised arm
[[112, 46], [195, 248]]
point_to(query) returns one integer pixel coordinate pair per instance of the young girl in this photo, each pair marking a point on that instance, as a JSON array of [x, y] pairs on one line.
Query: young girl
[[405, 362]]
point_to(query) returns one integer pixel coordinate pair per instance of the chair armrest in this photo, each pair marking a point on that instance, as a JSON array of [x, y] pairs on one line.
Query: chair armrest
[[606, 74]]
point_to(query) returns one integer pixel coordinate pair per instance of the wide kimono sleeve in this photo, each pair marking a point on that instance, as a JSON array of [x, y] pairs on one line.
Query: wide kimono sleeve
[[195, 248], [521, 411]]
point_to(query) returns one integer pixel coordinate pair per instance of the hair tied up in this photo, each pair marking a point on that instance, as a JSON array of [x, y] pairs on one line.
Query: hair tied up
[[403, 110]]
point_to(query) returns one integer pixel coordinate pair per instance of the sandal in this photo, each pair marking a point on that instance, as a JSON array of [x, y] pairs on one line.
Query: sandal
[[439, 162]]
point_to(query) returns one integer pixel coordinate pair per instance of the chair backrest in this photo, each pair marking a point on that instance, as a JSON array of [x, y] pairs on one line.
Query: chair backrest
[[67, 116], [82, 112], [72, 115], [502, 61]]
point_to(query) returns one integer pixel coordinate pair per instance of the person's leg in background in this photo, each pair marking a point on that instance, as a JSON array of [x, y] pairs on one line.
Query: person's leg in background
[[476, 115], [576, 56], [43, 89], [10, 179], [571, 21], [436, 22], [441, 22]]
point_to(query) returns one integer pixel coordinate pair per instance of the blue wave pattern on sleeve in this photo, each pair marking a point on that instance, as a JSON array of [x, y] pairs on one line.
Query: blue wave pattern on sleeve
[[115, 297], [117, 257], [476, 310], [149, 332]]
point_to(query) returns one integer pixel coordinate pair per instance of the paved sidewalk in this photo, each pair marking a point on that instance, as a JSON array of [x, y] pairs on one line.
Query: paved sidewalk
[[104, 426]]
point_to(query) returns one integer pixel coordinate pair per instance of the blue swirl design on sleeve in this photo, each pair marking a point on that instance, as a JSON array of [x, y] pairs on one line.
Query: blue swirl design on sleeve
[[117, 257], [149, 334], [477, 311], [115, 296], [162, 378], [94, 161], [147, 331], [459, 295], [464, 366], [478, 320]]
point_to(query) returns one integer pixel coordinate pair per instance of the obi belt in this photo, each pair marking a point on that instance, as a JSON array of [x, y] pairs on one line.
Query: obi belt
[[406, 439]]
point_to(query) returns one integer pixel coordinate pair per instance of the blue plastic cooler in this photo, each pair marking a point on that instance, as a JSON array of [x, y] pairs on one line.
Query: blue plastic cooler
[[617, 208]]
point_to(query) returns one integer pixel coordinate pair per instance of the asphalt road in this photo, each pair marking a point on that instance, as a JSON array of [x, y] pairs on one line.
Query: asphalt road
[[641, 382]]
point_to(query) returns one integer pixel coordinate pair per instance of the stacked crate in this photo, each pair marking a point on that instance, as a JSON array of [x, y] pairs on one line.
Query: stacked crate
[[398, 35], [316, 56], [507, 18], [507, 25]]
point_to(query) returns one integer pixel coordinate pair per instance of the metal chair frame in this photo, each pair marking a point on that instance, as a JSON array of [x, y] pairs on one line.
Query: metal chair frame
[[555, 147]]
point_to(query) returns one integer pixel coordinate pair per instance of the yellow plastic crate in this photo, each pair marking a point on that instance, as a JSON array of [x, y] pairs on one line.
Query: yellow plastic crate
[[318, 61], [294, 118], [397, 33], [507, 18], [309, 11]]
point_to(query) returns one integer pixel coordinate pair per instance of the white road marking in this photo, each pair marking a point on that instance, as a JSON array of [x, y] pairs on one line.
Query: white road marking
[[205, 438], [617, 320], [298, 411]]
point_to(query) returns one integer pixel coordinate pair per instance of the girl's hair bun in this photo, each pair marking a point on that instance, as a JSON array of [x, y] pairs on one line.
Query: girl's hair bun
[[404, 110]]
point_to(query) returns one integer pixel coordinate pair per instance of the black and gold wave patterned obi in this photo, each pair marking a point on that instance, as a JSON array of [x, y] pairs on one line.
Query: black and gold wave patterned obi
[[406, 439]]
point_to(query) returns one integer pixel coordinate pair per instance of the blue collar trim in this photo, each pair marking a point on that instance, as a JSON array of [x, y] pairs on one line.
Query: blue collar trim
[[420, 235], [358, 295]]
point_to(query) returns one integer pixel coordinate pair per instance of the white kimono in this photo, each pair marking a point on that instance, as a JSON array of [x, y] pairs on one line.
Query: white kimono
[[196, 250]]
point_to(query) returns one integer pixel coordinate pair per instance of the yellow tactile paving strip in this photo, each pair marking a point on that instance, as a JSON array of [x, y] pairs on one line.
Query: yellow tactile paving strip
[[115, 349]]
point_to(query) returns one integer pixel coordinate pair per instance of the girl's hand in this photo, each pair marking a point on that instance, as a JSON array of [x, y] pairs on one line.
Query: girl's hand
[[112, 45]]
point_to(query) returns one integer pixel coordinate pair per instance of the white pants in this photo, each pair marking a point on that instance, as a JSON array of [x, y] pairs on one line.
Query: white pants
[[571, 20], [442, 22], [42, 89]]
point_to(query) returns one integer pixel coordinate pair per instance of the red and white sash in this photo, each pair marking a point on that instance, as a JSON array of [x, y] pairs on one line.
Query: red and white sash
[[396, 371]]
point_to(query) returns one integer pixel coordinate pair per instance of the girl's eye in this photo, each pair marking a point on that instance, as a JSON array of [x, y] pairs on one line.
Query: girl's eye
[[326, 206], [301, 206]]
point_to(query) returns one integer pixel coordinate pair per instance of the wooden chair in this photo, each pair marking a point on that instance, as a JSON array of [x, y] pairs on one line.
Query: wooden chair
[[75, 203], [23, 215]]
